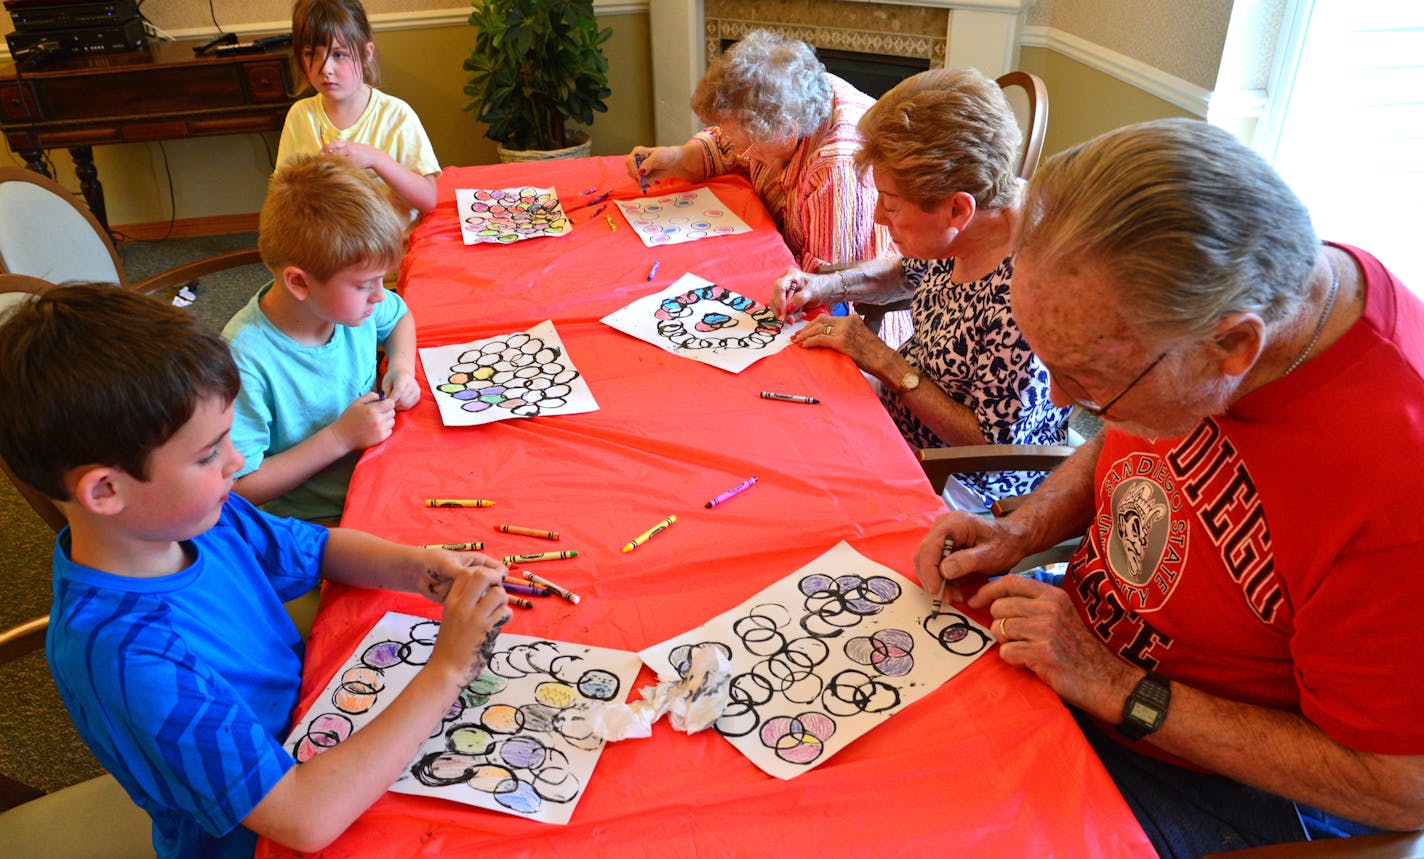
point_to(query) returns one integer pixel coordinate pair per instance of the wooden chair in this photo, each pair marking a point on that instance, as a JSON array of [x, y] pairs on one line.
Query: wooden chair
[[1393, 845], [1032, 103], [92, 818], [48, 233]]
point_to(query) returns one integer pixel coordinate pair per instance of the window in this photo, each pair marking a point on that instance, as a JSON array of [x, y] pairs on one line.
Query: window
[[1345, 125]]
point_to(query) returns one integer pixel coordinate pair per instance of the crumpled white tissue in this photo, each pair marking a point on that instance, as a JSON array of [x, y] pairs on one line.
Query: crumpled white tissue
[[694, 702]]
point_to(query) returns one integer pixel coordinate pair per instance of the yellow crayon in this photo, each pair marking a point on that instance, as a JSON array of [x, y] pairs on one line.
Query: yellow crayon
[[473, 546], [539, 556], [458, 502], [649, 534], [611, 225], [528, 532]]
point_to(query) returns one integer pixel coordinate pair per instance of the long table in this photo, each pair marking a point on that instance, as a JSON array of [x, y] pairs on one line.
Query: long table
[[990, 764]]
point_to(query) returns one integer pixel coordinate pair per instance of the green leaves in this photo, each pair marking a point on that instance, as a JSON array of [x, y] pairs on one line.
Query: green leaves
[[534, 64]]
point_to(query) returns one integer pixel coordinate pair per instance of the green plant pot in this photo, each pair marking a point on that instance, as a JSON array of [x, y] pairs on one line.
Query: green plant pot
[[578, 150]]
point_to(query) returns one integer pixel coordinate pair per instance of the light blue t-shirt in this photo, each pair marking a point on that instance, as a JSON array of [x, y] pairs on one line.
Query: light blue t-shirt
[[290, 391], [183, 685]]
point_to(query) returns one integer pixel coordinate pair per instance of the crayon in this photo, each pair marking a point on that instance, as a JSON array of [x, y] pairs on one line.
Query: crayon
[[642, 180], [939, 597], [740, 487], [600, 208], [473, 546], [458, 502], [653, 272], [649, 534], [543, 582], [600, 198], [526, 589], [512, 579], [528, 532], [789, 398], [611, 225], [539, 556], [589, 191], [521, 602]]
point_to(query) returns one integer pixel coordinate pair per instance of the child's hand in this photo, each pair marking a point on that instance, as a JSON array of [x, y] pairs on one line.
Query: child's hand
[[359, 154], [441, 568], [401, 388], [474, 612], [369, 420]]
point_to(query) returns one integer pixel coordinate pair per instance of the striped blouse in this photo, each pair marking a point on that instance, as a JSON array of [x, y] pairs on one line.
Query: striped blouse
[[825, 211]]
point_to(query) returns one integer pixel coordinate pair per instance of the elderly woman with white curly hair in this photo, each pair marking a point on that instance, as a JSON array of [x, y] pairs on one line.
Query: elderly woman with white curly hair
[[775, 114]]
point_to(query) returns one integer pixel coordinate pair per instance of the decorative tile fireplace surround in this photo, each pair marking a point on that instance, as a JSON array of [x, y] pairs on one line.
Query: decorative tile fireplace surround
[[687, 34]]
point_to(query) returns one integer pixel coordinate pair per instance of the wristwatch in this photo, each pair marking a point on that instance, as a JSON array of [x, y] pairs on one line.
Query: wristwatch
[[1145, 709], [909, 381]]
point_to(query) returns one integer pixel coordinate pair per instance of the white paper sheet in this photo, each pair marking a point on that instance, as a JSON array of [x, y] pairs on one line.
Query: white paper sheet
[[698, 319], [516, 741], [686, 216], [521, 375], [504, 215], [823, 656]]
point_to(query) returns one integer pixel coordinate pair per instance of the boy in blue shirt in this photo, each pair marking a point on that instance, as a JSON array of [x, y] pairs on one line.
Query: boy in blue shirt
[[168, 640], [306, 344]]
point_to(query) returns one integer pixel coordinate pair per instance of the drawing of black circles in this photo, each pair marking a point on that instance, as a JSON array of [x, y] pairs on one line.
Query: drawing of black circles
[[556, 784], [442, 769], [598, 685], [422, 642], [758, 634], [851, 692], [955, 633], [680, 658], [886, 650], [750, 689], [738, 719], [383, 654]]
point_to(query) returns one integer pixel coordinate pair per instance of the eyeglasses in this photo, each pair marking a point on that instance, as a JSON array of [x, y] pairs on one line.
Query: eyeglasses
[[1098, 411]]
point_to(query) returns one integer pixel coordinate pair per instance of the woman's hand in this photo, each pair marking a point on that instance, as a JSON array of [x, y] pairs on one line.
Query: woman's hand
[[798, 291], [848, 335], [662, 162]]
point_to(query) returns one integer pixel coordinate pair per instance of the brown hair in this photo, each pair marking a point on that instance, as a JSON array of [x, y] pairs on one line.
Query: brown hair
[[323, 214], [941, 132], [91, 374], [319, 24]]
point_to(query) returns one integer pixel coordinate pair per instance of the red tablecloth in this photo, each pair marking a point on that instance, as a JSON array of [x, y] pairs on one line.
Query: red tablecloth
[[990, 764]]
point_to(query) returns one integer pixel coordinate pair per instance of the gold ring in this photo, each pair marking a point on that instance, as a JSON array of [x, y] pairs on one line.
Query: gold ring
[[826, 331], [1003, 623]]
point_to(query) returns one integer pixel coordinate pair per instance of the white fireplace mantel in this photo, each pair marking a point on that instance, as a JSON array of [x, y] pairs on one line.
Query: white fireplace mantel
[[982, 33]]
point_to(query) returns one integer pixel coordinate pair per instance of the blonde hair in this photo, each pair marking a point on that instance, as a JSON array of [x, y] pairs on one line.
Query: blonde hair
[[319, 24], [941, 132], [1190, 224], [770, 86], [323, 214]]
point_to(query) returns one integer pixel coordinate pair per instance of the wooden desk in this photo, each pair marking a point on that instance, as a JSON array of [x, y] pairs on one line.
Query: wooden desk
[[161, 92], [990, 764]]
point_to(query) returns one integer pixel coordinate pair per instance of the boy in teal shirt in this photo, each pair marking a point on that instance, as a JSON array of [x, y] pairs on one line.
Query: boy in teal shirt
[[306, 344]]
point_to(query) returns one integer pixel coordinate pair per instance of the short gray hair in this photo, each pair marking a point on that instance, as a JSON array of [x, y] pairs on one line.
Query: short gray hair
[[771, 86], [1190, 224]]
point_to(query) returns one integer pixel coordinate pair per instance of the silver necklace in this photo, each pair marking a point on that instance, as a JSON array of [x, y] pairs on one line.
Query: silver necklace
[[1319, 326]]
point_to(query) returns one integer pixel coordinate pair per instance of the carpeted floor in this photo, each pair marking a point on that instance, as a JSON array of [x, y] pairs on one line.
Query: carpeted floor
[[38, 744]]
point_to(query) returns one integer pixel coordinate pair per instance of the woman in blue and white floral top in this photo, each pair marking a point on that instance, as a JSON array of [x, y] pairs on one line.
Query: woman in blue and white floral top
[[943, 148]]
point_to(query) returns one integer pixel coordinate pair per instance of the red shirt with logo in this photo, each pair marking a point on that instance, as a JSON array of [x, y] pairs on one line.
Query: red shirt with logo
[[1275, 555]]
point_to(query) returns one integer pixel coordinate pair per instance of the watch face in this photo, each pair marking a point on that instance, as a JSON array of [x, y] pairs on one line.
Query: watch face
[[910, 381], [1144, 712]]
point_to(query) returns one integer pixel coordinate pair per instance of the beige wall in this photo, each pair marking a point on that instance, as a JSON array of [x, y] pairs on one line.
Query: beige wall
[[1180, 37], [1084, 102], [215, 176]]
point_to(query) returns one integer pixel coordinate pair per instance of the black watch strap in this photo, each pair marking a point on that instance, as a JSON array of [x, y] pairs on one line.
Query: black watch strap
[[1145, 709]]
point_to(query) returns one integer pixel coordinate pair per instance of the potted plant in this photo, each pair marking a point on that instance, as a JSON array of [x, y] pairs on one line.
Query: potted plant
[[536, 64]]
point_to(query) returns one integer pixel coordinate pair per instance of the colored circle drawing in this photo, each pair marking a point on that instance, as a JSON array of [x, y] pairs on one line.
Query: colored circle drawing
[[510, 214]]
